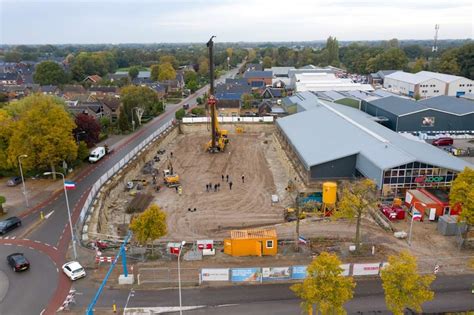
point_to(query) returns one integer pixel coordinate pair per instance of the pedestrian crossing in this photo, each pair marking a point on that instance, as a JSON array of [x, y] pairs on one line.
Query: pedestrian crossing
[[7, 237]]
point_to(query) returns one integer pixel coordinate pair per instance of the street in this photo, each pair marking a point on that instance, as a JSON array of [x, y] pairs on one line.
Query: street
[[453, 293], [54, 232]]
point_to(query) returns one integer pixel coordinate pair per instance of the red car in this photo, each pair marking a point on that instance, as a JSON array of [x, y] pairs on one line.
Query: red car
[[393, 213], [442, 142]]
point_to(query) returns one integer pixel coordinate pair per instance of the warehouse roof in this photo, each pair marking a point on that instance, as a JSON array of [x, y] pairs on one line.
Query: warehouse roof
[[328, 131], [401, 106], [440, 76]]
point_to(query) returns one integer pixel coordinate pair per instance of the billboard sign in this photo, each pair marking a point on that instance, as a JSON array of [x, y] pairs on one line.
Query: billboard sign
[[215, 274], [276, 273], [298, 272], [366, 269], [245, 274]]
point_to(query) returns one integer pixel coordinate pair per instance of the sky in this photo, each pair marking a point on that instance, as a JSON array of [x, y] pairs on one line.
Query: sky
[[169, 21]]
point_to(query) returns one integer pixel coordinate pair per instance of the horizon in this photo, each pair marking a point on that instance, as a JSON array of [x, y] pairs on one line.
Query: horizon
[[86, 22]]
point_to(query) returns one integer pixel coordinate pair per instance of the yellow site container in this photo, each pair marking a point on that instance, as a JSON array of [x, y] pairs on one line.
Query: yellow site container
[[329, 193], [397, 202], [255, 242]]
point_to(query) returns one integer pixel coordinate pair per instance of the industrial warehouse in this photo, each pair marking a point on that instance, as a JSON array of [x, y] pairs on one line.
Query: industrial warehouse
[[441, 114], [331, 141]]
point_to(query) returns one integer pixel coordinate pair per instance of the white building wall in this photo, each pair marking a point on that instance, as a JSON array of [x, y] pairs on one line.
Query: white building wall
[[431, 88], [398, 86], [460, 85]]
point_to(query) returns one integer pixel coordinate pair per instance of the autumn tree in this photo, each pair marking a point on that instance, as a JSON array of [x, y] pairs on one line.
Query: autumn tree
[[419, 65], [5, 134], [2, 201], [247, 100], [356, 199], [462, 193], [137, 101], [403, 286], [169, 59], [166, 72], [154, 72], [393, 58], [267, 62], [448, 62], [49, 73], [325, 287], [204, 67], [149, 225], [88, 128], [44, 133]]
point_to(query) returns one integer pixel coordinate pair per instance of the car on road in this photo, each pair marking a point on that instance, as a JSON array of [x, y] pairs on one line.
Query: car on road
[[18, 262], [9, 224], [74, 270], [14, 181], [441, 142]]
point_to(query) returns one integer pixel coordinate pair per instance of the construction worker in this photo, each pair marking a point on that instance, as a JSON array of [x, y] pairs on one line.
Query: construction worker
[[227, 178], [215, 187], [230, 185], [243, 178], [222, 177], [194, 210], [218, 186], [180, 190], [207, 187]]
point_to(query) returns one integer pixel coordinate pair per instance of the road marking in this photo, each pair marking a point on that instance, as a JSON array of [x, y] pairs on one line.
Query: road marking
[[31, 248], [57, 270], [7, 237], [49, 214], [13, 237], [55, 247], [38, 242], [7, 244], [42, 311]]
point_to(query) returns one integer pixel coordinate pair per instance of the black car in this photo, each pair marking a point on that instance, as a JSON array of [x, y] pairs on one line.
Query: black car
[[18, 262], [9, 224], [14, 181]]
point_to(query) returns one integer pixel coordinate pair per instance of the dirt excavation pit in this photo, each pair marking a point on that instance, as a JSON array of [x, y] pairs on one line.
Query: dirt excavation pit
[[247, 204]]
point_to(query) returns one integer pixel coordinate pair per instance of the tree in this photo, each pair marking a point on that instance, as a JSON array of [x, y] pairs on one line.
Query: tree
[[166, 72], [252, 56], [190, 75], [192, 85], [49, 73], [356, 200], [149, 225], [229, 51], [133, 72], [247, 100], [138, 101], [123, 121], [267, 62], [82, 151], [393, 43], [462, 193], [403, 286], [393, 58], [325, 286], [448, 62], [44, 133], [154, 72], [203, 67], [179, 114], [2, 201], [6, 124], [419, 65], [169, 59], [332, 47], [466, 60], [88, 128], [89, 63]]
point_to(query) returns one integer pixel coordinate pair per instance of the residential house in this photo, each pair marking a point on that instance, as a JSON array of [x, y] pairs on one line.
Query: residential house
[[80, 109], [228, 107], [101, 91], [15, 91], [118, 76], [159, 88], [253, 67], [10, 78], [74, 92], [262, 78], [111, 107], [93, 78], [96, 108], [49, 90], [271, 92]]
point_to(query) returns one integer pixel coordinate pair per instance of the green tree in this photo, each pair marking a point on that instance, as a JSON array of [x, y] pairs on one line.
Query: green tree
[[247, 100], [466, 60], [393, 43], [166, 72], [179, 114], [252, 56], [325, 286], [169, 59], [123, 120], [82, 151], [448, 62], [2, 201], [49, 73], [154, 72], [462, 193], [332, 47], [190, 75], [13, 56], [356, 199], [149, 225], [51, 126], [89, 63], [419, 65], [403, 286], [142, 97], [203, 67], [133, 72], [267, 62], [393, 58], [192, 85]]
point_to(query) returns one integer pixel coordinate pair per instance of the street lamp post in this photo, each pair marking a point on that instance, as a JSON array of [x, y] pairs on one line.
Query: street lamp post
[[412, 217], [68, 212], [22, 178], [179, 277]]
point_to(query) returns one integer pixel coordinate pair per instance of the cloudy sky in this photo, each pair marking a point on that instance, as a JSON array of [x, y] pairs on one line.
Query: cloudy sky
[[155, 21]]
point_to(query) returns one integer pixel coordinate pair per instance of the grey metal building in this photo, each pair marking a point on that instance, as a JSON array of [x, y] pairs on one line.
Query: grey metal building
[[441, 114], [327, 141]]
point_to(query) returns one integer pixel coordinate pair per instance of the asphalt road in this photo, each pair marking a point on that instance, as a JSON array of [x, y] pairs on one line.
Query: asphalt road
[[30, 289], [54, 232], [453, 294]]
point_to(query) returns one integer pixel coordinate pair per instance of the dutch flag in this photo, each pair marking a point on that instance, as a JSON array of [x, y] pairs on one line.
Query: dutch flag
[[69, 185], [416, 215], [302, 240]]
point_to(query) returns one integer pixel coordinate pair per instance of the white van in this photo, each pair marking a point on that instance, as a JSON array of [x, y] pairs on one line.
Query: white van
[[97, 154]]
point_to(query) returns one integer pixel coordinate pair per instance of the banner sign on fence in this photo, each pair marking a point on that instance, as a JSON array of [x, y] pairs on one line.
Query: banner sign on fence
[[275, 273], [215, 274], [366, 269], [346, 268], [246, 274], [298, 272]]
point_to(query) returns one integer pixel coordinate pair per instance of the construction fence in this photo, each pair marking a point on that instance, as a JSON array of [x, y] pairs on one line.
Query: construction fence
[[264, 119], [85, 211]]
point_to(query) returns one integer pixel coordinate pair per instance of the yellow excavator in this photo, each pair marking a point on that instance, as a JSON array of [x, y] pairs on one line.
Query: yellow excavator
[[219, 137]]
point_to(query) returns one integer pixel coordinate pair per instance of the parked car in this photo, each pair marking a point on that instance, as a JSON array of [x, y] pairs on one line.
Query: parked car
[[14, 181], [186, 106], [74, 270], [18, 262], [441, 142], [9, 224]]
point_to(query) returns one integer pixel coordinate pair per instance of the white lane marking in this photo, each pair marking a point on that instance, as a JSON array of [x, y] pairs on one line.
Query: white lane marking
[[49, 214], [57, 270], [42, 311], [31, 248], [7, 237], [161, 309], [13, 237], [38, 242], [55, 247], [7, 244]]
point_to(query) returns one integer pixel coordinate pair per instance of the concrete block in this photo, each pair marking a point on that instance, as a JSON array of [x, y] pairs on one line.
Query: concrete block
[[126, 280]]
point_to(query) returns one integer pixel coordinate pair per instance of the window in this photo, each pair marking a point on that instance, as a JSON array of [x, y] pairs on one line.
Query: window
[[270, 244]]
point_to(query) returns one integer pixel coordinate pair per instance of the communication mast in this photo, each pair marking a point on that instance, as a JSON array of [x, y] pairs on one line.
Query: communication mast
[[435, 44]]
